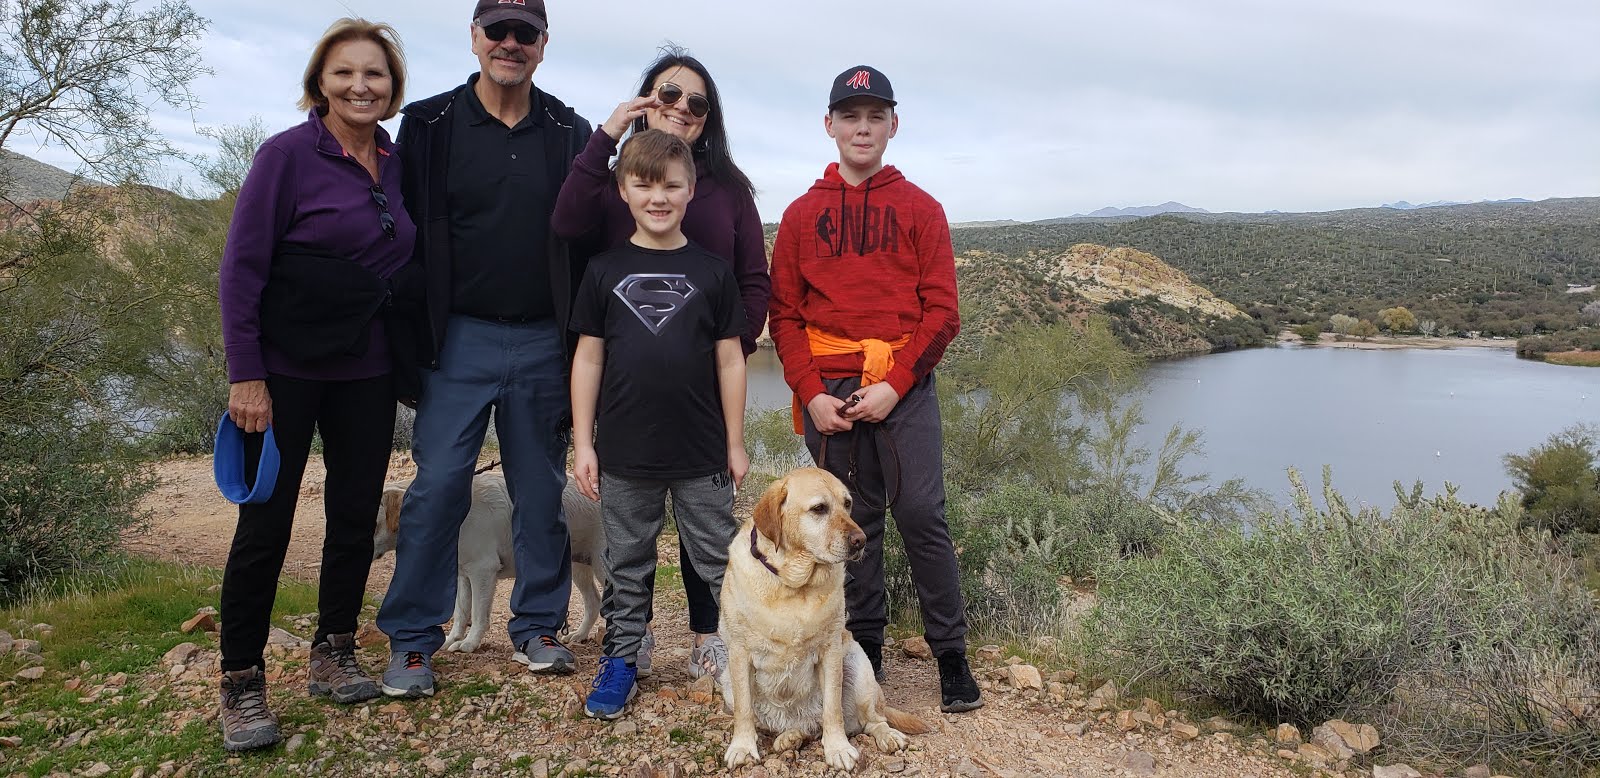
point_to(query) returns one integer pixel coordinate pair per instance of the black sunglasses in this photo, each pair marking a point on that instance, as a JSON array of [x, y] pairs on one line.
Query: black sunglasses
[[498, 31], [669, 93], [384, 217]]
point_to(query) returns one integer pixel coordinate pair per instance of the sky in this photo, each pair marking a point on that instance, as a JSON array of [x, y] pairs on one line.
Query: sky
[[1033, 110]]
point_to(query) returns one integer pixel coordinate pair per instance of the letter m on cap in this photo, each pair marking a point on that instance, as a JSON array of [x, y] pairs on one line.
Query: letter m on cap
[[861, 80]]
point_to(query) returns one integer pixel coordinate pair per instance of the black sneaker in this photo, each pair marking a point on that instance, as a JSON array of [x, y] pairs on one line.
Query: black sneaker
[[958, 690], [874, 652]]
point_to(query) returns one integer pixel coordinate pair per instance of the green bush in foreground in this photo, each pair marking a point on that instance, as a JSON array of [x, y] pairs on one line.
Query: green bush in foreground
[[1441, 622]]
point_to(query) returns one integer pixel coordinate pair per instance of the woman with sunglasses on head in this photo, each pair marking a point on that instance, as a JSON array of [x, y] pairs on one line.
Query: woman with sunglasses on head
[[318, 236], [678, 96]]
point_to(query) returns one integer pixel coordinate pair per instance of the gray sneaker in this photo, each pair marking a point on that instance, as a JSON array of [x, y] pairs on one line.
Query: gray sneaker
[[336, 673], [410, 675], [647, 652], [544, 654], [709, 658], [246, 722]]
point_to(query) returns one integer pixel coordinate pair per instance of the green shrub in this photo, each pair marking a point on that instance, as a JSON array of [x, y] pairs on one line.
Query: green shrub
[[1439, 620], [1560, 481], [65, 502]]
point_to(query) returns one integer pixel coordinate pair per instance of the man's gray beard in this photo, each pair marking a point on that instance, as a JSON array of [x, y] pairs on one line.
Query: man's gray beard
[[502, 81]]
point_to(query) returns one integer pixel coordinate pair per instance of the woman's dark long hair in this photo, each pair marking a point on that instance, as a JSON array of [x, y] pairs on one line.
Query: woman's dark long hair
[[713, 143]]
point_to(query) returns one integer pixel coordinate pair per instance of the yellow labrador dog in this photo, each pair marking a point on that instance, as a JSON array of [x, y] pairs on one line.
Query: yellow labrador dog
[[484, 554], [793, 669]]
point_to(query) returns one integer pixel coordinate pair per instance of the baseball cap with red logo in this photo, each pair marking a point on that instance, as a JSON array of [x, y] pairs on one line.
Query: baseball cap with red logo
[[861, 81], [492, 11]]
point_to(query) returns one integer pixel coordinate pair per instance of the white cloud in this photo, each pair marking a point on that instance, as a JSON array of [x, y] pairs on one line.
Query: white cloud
[[1026, 110]]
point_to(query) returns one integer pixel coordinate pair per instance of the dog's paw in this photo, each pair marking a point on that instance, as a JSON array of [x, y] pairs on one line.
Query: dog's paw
[[788, 741], [741, 752], [888, 739], [465, 646], [839, 753]]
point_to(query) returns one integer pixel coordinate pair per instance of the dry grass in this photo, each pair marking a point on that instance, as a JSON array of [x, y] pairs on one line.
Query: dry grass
[[1579, 358]]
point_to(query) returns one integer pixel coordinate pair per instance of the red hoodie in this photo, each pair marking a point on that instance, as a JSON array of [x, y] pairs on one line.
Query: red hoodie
[[868, 261]]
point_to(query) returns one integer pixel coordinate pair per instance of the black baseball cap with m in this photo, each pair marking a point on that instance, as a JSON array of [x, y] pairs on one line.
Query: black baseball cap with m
[[493, 11], [861, 81]]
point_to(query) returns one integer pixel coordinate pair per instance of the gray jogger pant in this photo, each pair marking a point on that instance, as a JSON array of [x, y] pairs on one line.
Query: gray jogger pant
[[901, 460], [633, 511]]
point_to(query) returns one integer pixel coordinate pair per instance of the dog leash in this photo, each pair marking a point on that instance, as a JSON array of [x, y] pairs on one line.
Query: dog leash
[[487, 468], [852, 467], [755, 551]]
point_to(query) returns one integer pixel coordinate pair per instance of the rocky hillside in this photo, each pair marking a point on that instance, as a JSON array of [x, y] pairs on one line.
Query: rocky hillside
[[23, 179], [1155, 308]]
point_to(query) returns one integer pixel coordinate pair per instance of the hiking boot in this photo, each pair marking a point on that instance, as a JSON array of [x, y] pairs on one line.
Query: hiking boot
[[874, 652], [335, 672], [410, 675], [613, 688], [709, 658], [958, 690], [544, 654], [246, 722], [647, 652]]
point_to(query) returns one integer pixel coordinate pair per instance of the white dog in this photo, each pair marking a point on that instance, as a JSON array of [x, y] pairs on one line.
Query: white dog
[[484, 554], [793, 668]]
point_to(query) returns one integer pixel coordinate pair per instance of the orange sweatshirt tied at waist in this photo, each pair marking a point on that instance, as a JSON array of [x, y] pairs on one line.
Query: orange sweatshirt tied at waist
[[878, 360]]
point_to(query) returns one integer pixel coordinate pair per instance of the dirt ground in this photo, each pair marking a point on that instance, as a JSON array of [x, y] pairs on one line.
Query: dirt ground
[[1020, 732]]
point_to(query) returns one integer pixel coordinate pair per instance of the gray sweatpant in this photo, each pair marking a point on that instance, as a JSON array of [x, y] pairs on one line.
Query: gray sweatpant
[[633, 511]]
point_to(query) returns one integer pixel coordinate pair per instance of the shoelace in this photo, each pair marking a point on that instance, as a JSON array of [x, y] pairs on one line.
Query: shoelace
[[250, 700], [345, 660], [609, 674], [415, 660], [549, 642], [714, 652]]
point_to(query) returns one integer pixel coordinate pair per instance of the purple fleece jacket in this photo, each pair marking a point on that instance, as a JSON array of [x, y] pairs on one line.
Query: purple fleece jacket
[[721, 218], [302, 189]]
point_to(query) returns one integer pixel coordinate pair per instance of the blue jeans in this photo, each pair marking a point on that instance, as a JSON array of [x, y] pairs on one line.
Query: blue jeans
[[519, 371]]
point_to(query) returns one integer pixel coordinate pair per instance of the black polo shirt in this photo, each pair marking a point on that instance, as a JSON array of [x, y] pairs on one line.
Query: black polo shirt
[[500, 204]]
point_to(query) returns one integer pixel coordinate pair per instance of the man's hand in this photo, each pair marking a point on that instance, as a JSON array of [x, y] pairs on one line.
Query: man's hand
[[623, 116], [824, 410], [875, 404], [250, 405]]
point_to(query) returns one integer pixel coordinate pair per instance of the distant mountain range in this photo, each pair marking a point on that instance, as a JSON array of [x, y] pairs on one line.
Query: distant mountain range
[[1405, 206]]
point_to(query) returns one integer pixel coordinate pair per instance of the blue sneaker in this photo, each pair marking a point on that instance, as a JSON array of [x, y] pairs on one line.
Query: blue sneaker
[[410, 675], [613, 688], [545, 654]]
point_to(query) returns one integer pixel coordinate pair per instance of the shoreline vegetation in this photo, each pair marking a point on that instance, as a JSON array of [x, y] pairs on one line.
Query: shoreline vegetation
[[1390, 343]]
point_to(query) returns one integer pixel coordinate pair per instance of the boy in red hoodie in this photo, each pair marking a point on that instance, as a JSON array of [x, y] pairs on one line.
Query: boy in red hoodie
[[863, 306]]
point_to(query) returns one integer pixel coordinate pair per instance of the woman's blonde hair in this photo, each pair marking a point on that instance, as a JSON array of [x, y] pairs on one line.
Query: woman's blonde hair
[[348, 29]]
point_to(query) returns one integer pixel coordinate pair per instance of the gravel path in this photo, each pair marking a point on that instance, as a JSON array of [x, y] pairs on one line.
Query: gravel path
[[532, 725]]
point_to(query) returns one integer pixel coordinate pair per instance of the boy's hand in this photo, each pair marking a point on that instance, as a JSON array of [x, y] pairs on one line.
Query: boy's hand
[[824, 410], [586, 471], [876, 402], [626, 112], [738, 464]]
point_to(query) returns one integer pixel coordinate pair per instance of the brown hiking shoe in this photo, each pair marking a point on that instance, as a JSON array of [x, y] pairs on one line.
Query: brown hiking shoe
[[335, 671], [246, 721]]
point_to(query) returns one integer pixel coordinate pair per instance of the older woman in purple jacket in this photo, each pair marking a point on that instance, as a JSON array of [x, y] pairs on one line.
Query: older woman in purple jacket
[[326, 190], [678, 96]]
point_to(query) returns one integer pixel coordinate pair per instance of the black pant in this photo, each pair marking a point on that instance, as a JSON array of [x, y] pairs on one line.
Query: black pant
[[356, 420], [899, 460]]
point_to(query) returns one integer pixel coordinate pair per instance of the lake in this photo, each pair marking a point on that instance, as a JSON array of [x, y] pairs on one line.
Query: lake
[[1374, 416]]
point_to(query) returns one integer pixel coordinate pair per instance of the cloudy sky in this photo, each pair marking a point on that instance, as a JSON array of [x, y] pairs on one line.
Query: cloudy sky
[[1030, 110]]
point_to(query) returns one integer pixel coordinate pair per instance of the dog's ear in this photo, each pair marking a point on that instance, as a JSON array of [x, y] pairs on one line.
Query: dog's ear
[[392, 499], [769, 511]]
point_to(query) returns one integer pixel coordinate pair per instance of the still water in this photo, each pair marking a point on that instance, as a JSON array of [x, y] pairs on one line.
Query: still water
[[1374, 416]]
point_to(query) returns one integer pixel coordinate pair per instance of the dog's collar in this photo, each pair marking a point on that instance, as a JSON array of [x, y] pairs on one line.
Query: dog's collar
[[755, 551]]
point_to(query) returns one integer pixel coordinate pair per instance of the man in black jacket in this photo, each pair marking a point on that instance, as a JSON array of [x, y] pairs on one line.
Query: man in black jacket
[[482, 166]]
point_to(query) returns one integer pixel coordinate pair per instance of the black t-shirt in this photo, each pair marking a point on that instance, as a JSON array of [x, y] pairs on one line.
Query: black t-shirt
[[661, 314], [500, 204]]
